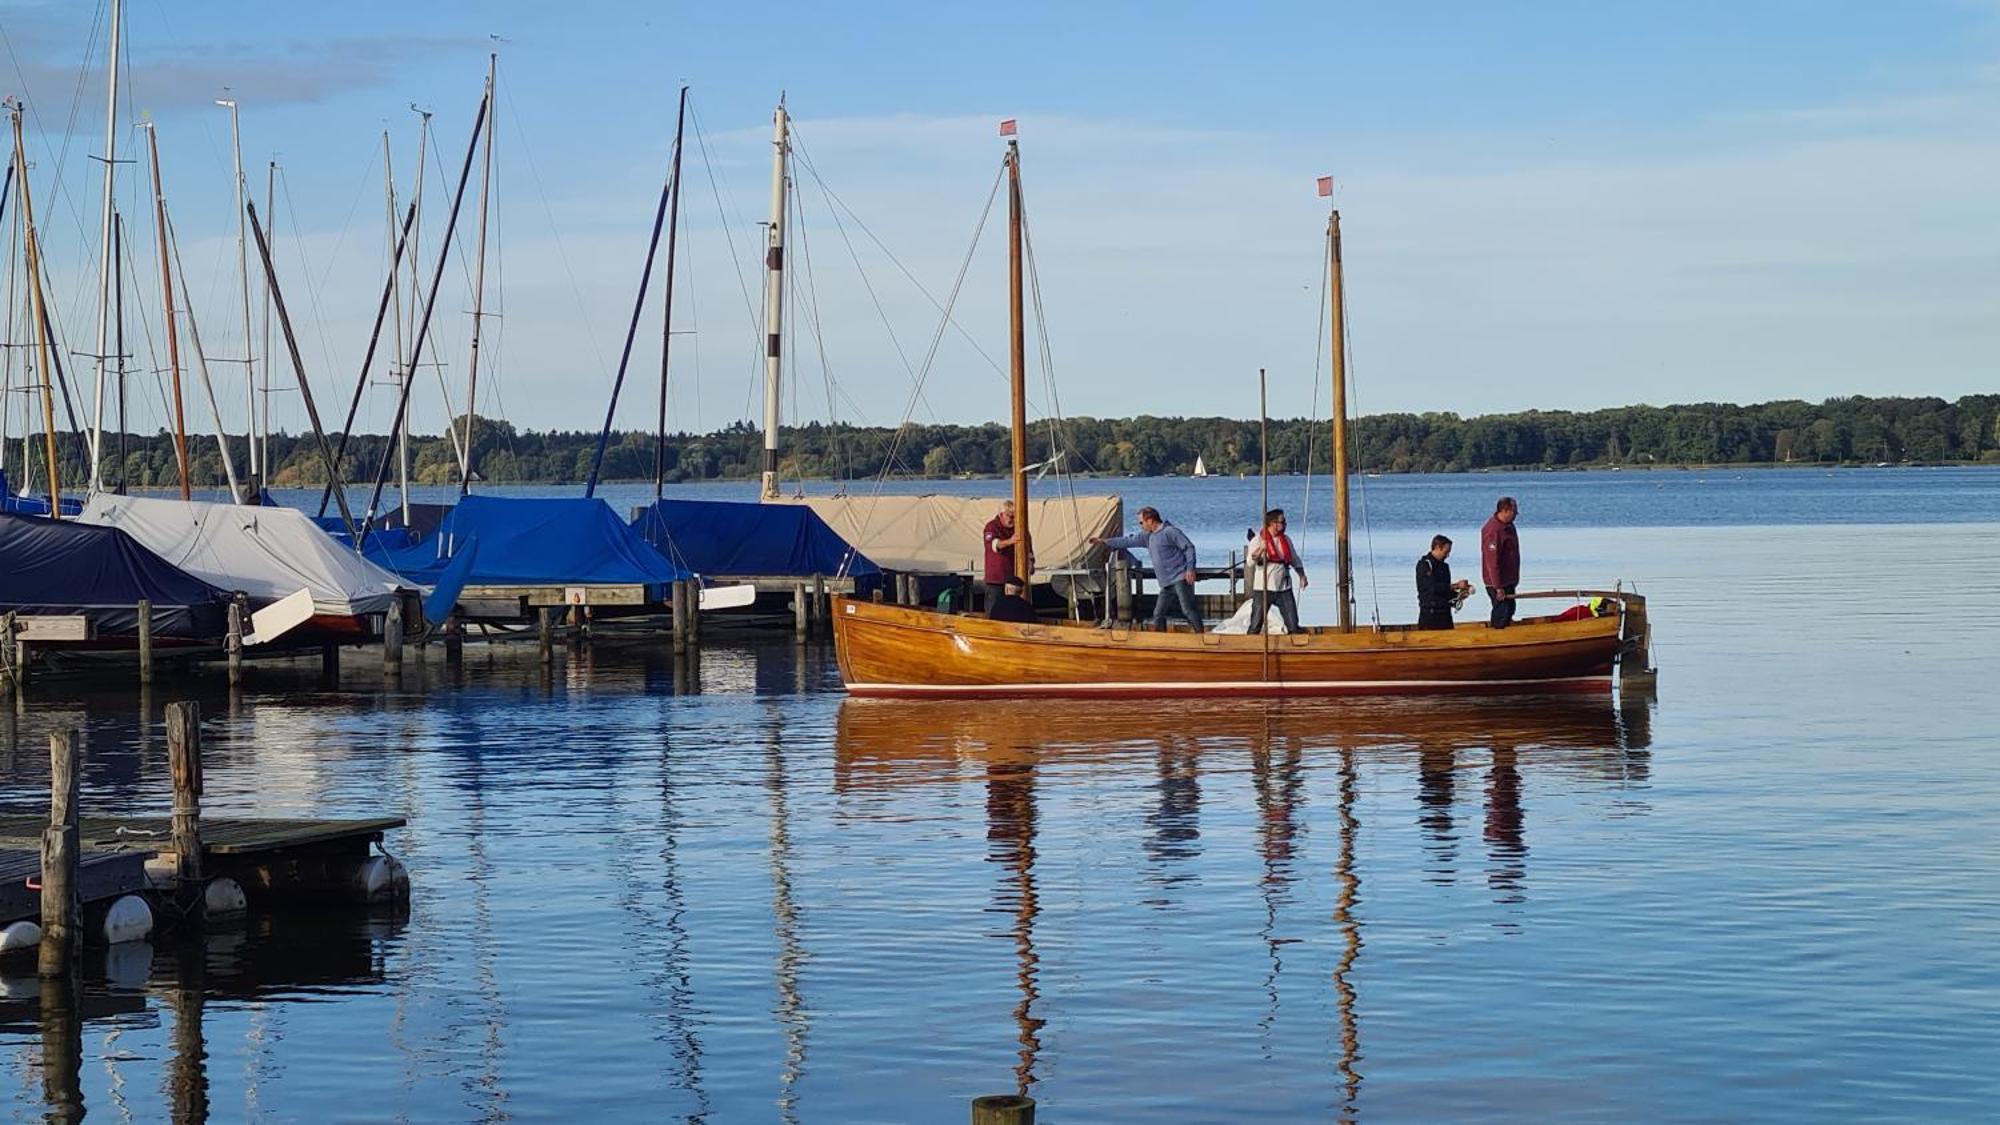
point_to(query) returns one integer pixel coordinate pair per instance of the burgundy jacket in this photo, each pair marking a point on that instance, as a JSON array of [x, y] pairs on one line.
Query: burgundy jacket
[[999, 560], [1499, 554]]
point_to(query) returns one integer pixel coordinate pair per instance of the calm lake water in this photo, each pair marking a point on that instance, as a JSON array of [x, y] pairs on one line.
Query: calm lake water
[[1772, 893]]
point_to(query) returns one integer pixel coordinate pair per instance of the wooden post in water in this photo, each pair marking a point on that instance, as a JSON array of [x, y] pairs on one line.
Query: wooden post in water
[[62, 1050], [1003, 1109], [822, 609], [329, 663], [392, 639], [454, 640], [184, 764], [545, 633], [801, 613], [234, 644], [678, 607], [145, 641], [62, 909], [10, 657]]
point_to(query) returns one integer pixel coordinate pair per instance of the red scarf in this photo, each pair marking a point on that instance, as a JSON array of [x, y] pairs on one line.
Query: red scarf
[[1278, 548]]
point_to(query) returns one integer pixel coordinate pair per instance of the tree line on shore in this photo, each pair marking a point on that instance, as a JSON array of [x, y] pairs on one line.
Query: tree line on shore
[[1837, 430]]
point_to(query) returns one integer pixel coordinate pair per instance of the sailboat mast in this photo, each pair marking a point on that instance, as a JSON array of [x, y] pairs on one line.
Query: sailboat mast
[[667, 322], [118, 341], [243, 279], [104, 245], [1017, 337], [416, 227], [396, 369], [774, 301], [167, 298], [1338, 315], [31, 242], [264, 407], [478, 283]]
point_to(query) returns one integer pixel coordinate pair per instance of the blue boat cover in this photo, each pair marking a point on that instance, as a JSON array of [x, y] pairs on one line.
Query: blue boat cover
[[31, 505], [721, 537], [69, 568], [531, 542]]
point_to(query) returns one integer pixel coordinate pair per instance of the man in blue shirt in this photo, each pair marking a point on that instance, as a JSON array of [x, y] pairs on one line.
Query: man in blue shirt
[[1173, 565]]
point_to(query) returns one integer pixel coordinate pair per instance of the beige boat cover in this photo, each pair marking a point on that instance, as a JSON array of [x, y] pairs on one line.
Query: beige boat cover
[[942, 534], [267, 553]]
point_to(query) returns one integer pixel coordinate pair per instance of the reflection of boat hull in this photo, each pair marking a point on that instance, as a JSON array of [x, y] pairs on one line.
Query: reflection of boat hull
[[887, 650]]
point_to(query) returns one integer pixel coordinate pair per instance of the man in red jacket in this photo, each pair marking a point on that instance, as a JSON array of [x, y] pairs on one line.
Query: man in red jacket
[[1500, 560]]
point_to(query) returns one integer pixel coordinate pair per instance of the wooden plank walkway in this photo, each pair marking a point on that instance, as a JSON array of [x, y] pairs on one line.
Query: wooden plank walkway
[[236, 837], [101, 875]]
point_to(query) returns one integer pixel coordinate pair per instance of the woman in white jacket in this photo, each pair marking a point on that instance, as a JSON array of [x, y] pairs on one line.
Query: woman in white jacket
[[1273, 558]]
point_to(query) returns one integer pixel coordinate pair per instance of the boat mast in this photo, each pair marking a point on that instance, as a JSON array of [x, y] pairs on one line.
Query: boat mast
[[7, 335], [1343, 557], [264, 427], [243, 279], [167, 297], [105, 252], [396, 370], [774, 301], [237, 494], [118, 341], [667, 323], [478, 284], [31, 243], [1017, 340]]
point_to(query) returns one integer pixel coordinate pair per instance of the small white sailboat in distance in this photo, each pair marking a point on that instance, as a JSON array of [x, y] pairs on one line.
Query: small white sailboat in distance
[[1200, 469]]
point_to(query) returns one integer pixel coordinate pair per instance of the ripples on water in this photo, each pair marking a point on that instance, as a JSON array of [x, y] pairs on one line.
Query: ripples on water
[[1771, 894]]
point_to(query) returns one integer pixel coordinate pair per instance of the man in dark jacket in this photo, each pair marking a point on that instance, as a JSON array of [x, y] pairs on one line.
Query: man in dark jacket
[[1500, 560], [1437, 594]]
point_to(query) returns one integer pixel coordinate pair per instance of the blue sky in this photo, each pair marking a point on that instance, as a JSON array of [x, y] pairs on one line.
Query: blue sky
[[1545, 206]]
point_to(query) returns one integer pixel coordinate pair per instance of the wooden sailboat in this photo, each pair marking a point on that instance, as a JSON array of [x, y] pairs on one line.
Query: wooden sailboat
[[886, 650]]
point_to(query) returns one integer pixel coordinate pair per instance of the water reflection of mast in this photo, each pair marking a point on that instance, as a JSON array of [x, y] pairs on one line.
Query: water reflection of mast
[[1010, 837], [785, 916], [1343, 916], [1278, 785], [680, 984]]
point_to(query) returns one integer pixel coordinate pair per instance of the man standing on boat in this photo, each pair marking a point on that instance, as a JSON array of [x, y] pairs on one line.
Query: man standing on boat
[[999, 536], [1275, 558], [1437, 594], [1173, 565], [1500, 560]]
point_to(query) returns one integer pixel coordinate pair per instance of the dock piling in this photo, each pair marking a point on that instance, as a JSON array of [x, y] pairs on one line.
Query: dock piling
[[454, 640], [392, 639], [184, 763], [329, 663], [822, 610], [801, 613], [62, 907], [677, 606], [1003, 1109], [145, 641], [545, 633], [11, 673], [235, 643]]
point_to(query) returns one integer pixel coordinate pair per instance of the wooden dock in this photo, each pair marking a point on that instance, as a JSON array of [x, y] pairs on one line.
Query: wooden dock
[[268, 857], [102, 874]]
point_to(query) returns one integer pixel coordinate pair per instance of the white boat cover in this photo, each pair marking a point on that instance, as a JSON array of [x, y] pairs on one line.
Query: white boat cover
[[266, 553], [942, 534]]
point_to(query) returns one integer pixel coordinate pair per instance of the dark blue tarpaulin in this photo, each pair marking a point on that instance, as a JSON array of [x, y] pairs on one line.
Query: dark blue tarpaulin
[[738, 539], [73, 569], [533, 542]]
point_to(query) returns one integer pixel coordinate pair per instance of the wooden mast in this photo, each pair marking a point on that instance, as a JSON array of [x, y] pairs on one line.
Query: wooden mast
[[478, 285], [1343, 556], [667, 322], [167, 296], [32, 246], [1017, 339]]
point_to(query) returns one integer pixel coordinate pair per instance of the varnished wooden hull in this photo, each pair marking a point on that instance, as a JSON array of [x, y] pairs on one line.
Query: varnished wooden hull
[[887, 650]]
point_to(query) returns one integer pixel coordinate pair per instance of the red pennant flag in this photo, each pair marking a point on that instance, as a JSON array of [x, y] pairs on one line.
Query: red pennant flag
[[1326, 187], [1007, 127]]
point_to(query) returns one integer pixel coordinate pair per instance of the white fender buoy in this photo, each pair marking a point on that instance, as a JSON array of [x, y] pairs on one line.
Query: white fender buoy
[[224, 896], [128, 919], [20, 935], [129, 965], [381, 878]]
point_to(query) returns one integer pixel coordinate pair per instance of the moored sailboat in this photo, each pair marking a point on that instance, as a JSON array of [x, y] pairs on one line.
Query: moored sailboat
[[888, 650]]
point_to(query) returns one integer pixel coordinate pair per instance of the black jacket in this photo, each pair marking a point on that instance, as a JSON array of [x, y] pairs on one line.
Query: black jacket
[[1012, 607], [1434, 583]]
